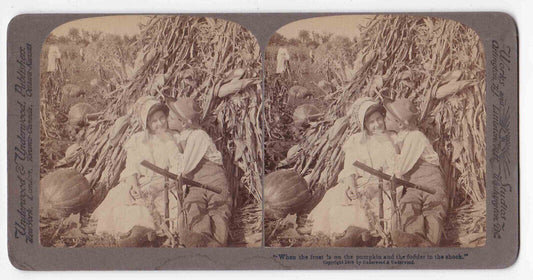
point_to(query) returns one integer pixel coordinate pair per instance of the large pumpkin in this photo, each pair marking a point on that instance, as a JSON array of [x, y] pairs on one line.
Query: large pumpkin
[[63, 192], [285, 192], [77, 113]]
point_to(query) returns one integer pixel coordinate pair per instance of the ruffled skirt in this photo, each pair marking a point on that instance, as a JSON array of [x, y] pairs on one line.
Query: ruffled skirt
[[120, 212]]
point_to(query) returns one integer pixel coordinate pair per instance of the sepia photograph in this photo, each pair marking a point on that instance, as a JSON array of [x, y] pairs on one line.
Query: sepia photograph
[[150, 134], [375, 133], [263, 141]]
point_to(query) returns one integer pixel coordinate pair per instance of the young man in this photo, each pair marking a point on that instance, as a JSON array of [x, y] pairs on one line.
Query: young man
[[421, 213], [205, 220]]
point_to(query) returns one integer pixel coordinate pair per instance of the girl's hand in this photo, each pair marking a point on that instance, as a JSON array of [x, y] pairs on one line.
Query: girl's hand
[[135, 192], [352, 193]]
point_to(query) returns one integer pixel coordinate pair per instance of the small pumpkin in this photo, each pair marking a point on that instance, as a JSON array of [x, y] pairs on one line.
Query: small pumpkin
[[62, 193], [70, 155], [305, 113], [77, 115], [72, 90], [326, 86], [73, 150], [293, 151], [285, 192], [298, 92]]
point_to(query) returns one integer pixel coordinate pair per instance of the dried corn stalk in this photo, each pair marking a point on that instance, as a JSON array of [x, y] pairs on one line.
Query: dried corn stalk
[[194, 57], [439, 65]]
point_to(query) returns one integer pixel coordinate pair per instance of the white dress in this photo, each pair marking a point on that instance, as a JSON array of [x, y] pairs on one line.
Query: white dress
[[119, 212], [336, 212]]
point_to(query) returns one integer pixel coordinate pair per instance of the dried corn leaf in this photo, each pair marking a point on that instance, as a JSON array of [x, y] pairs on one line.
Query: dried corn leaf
[[452, 87]]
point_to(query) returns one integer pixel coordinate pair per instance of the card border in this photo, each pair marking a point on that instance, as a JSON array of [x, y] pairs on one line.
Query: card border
[[34, 28]]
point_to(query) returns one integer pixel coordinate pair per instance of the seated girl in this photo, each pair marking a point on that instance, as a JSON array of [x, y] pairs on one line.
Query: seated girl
[[126, 211], [353, 202]]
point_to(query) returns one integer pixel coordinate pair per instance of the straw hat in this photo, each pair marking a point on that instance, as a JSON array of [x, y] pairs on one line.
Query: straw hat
[[187, 109], [402, 109]]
